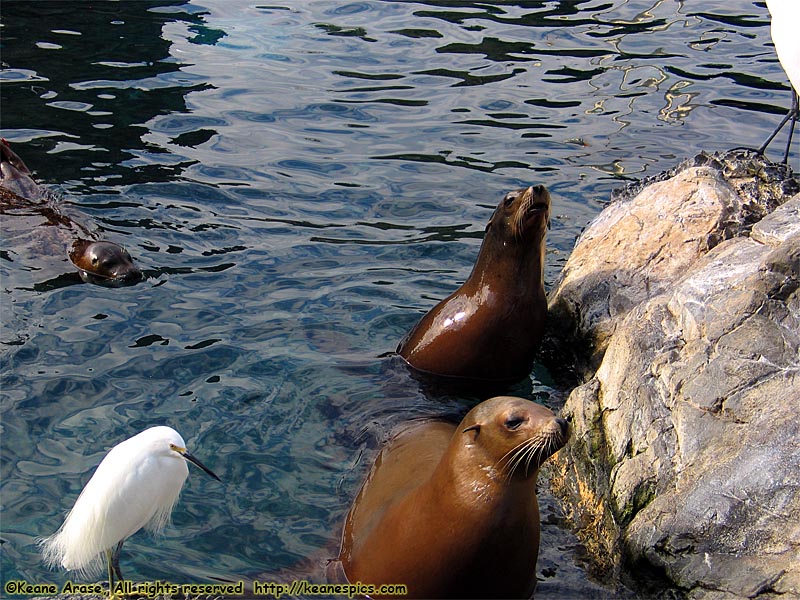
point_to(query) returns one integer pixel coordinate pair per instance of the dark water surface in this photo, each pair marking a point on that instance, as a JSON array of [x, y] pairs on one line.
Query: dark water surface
[[301, 181]]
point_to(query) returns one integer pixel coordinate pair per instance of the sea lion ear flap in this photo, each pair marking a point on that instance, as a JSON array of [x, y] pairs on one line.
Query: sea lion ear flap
[[489, 224], [78, 246], [75, 248], [476, 428]]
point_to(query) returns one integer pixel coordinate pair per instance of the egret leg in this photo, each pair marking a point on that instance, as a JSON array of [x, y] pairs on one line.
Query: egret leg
[[774, 133], [110, 574], [113, 568], [793, 113], [115, 561]]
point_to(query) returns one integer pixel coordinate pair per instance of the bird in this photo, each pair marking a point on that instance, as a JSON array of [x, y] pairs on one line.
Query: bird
[[135, 485], [784, 27]]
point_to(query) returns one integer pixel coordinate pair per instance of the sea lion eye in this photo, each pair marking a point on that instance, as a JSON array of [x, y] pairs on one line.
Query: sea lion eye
[[509, 200], [94, 260], [513, 423]]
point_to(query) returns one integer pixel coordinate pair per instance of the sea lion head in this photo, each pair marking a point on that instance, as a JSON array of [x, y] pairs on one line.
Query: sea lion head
[[513, 436], [103, 262], [522, 215]]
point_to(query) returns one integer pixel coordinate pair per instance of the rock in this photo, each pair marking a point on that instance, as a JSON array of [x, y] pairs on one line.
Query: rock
[[685, 457], [641, 244]]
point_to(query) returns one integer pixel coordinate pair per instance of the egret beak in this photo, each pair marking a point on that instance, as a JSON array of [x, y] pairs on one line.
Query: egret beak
[[185, 454]]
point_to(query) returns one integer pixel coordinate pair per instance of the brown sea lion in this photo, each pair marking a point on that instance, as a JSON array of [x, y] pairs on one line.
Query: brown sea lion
[[451, 512], [98, 261], [491, 327]]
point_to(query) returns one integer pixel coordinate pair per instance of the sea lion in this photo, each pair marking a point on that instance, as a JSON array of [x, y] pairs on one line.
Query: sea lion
[[451, 512], [491, 326], [98, 261], [102, 261]]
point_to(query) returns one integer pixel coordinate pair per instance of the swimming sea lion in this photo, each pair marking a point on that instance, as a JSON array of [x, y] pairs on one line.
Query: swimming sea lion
[[451, 512], [98, 261], [491, 327]]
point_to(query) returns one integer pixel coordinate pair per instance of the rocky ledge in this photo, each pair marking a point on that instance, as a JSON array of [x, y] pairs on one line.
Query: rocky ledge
[[683, 305]]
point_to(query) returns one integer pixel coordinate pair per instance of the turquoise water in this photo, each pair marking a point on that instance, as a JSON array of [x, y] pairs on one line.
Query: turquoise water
[[300, 182]]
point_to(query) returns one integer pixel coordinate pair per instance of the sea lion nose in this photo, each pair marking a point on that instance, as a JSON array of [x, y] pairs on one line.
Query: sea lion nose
[[563, 425], [133, 274], [538, 189]]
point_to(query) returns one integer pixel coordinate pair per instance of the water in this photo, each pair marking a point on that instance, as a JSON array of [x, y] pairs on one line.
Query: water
[[300, 182]]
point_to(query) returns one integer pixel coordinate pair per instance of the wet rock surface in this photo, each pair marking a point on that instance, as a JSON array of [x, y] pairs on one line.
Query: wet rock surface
[[682, 298]]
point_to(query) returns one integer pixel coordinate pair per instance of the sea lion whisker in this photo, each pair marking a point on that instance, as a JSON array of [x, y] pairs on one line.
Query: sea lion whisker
[[519, 457], [510, 459], [535, 451], [538, 451], [525, 459], [513, 466], [519, 214], [512, 454], [522, 454], [513, 450], [551, 444]]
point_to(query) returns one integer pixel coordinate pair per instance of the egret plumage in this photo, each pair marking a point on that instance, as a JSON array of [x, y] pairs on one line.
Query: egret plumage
[[135, 485], [784, 28]]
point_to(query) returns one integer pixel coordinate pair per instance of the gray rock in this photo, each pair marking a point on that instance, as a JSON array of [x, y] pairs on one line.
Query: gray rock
[[685, 457], [641, 244]]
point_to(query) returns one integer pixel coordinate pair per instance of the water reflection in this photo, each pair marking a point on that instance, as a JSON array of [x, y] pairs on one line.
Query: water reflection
[[110, 68]]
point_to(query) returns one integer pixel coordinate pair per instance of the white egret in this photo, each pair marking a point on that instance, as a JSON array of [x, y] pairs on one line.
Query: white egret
[[136, 485], [785, 32]]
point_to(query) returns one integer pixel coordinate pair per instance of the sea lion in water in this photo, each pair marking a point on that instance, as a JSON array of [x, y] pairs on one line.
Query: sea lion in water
[[102, 261], [451, 512], [98, 261], [491, 327]]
